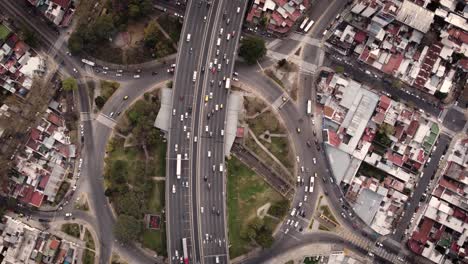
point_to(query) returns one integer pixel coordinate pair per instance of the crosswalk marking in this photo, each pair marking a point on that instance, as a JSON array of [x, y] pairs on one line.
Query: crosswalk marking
[[106, 120]]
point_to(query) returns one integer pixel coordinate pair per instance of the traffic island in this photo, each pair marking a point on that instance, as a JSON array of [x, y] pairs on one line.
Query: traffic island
[[247, 193], [134, 175]]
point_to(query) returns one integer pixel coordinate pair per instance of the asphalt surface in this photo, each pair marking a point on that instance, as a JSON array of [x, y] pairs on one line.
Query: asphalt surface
[[209, 177], [427, 175], [181, 223], [93, 149]]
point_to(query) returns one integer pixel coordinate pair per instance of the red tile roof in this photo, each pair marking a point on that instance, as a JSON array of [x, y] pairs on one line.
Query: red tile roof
[[395, 158], [20, 49], [459, 35], [36, 199], [277, 18], [26, 193], [54, 244], [35, 134], [33, 144], [295, 15], [44, 180], [393, 63], [384, 102], [54, 119], [423, 234], [360, 36], [333, 138], [412, 128], [50, 130], [240, 132], [254, 12]]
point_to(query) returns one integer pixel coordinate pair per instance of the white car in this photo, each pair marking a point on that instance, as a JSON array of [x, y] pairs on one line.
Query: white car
[[176, 147], [173, 188], [185, 128], [305, 198], [173, 112], [315, 160], [181, 118], [297, 159], [68, 214], [289, 221]]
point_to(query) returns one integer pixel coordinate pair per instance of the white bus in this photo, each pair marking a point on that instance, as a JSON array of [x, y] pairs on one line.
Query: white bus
[[179, 165], [88, 62], [301, 27], [309, 107], [228, 83], [185, 251], [309, 26], [311, 186]]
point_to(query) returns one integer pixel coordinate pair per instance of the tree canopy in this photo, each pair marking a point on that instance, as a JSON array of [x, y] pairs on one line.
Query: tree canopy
[[127, 228], [252, 49], [69, 84]]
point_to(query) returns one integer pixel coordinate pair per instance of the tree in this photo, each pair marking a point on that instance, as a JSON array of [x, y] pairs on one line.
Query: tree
[[133, 11], [129, 204], [150, 34], [75, 43], [127, 228], [282, 63], [441, 96], [103, 28], [339, 69], [146, 6], [100, 101], [279, 209], [265, 238], [118, 172], [29, 37], [162, 49], [70, 84], [252, 49]]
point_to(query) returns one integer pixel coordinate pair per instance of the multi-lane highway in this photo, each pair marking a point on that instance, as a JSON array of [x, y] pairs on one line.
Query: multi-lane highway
[[179, 187], [196, 201], [210, 128]]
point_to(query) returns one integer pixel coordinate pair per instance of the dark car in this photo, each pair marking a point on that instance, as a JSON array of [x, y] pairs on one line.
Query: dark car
[[308, 144]]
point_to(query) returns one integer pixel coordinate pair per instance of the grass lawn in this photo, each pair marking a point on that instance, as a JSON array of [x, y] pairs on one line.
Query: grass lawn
[[253, 105], [155, 240], [246, 193], [4, 32], [156, 203], [266, 121], [89, 240], [88, 257], [172, 26], [71, 229], [272, 75], [108, 88], [326, 211]]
